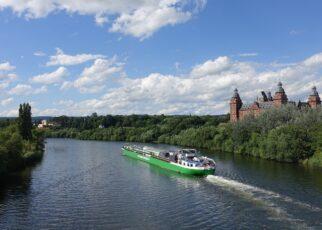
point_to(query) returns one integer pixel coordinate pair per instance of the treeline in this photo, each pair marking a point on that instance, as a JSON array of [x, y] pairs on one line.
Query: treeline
[[139, 128], [20, 143], [287, 134]]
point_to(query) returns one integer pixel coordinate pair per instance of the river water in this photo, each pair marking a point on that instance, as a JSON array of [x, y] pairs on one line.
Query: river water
[[90, 185]]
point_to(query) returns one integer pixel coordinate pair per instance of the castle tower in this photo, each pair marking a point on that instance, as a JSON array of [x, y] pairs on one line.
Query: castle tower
[[235, 105], [314, 98], [269, 96], [280, 96]]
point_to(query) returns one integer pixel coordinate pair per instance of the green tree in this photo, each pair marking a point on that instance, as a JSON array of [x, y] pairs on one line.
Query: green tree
[[24, 121]]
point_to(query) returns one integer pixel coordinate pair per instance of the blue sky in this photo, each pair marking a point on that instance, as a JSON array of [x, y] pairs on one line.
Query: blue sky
[[161, 56]]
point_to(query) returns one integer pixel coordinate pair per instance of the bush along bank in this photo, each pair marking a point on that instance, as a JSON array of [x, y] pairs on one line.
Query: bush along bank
[[286, 134], [20, 144]]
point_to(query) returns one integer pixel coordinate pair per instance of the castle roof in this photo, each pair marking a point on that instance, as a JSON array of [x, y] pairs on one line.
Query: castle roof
[[280, 88], [261, 105], [314, 92], [235, 95], [303, 104]]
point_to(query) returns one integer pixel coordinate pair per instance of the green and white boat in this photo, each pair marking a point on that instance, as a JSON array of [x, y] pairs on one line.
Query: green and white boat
[[183, 161]]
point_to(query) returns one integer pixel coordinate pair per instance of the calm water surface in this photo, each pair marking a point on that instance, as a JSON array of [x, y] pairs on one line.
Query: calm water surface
[[90, 185]]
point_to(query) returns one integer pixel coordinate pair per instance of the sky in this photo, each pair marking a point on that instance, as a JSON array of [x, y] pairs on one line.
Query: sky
[[76, 57]]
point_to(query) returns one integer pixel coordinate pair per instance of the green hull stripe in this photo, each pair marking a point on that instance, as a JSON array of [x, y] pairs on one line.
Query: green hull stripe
[[166, 165]]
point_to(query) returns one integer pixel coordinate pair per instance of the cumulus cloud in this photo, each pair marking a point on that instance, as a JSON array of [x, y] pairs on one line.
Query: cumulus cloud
[[206, 89], [66, 85], [139, 18], [21, 89], [52, 77], [24, 89], [93, 78], [5, 76], [8, 77], [212, 66], [6, 101], [6, 66], [144, 21], [60, 58], [100, 20]]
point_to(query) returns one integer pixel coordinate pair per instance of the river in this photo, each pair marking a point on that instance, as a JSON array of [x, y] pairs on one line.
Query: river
[[90, 185]]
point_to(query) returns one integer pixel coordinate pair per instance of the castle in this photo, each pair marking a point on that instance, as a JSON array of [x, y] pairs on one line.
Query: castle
[[238, 110]]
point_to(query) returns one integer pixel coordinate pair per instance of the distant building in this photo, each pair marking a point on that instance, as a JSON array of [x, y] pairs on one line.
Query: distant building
[[238, 110], [45, 124]]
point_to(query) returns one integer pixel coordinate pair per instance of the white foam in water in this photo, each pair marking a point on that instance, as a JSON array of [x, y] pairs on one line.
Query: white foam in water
[[263, 197], [256, 191]]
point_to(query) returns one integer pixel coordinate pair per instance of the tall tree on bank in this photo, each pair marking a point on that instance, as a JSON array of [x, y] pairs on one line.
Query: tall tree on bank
[[24, 121]]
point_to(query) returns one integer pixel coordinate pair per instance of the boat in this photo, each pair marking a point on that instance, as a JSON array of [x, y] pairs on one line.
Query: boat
[[185, 161]]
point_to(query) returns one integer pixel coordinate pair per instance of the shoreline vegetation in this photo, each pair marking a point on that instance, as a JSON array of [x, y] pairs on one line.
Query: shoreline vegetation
[[21, 145], [286, 134]]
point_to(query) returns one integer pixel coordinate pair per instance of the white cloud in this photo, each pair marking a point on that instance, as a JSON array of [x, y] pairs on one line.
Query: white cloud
[[93, 78], [295, 32], [5, 77], [48, 112], [60, 58], [42, 89], [24, 89], [143, 22], [248, 54], [8, 77], [21, 89], [208, 93], [6, 101], [66, 103], [66, 85], [139, 18], [9, 113], [6, 66], [100, 20], [3, 85], [51, 78], [39, 53], [206, 89], [313, 61], [212, 67]]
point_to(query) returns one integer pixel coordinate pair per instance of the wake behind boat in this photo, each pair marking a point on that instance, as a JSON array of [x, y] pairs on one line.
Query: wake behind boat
[[183, 161]]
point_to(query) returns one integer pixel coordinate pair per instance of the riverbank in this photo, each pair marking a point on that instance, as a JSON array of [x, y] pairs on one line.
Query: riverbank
[[284, 135], [16, 153]]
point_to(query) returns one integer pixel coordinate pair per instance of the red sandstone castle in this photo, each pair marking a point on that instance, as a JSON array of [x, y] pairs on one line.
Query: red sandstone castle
[[238, 110]]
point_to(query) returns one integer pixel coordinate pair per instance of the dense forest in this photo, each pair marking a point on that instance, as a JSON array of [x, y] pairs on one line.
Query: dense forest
[[136, 128], [20, 143], [286, 135]]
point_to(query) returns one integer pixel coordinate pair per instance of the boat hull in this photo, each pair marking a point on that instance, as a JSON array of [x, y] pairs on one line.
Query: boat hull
[[166, 165]]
